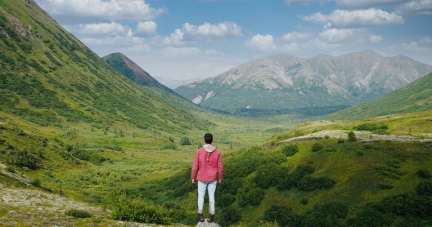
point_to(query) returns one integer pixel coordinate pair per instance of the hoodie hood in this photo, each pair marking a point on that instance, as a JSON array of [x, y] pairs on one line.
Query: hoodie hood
[[209, 148]]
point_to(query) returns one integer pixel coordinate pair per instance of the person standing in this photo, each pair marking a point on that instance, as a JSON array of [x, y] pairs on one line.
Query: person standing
[[208, 165]]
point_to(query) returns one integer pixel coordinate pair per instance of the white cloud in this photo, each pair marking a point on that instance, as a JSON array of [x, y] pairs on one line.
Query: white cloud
[[418, 7], [375, 38], [180, 51], [146, 29], [105, 29], [366, 4], [297, 36], [426, 42], [176, 38], [356, 18], [100, 10], [212, 52], [217, 30], [338, 36], [261, 43], [424, 46], [301, 2], [189, 33]]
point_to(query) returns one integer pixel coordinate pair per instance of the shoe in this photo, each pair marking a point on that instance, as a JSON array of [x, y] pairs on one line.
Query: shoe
[[210, 217], [200, 218]]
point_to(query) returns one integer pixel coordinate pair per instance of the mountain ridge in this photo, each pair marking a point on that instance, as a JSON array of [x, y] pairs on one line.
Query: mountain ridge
[[282, 81], [415, 97]]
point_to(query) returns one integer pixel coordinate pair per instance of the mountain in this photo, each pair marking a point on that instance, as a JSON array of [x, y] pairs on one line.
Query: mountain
[[286, 82], [415, 97], [130, 69], [49, 77], [127, 67], [173, 84]]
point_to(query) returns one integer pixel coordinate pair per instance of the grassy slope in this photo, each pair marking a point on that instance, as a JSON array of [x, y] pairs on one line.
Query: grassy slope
[[51, 75], [415, 97], [356, 179]]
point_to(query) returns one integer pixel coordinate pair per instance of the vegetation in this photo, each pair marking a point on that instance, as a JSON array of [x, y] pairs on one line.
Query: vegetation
[[415, 97], [78, 213]]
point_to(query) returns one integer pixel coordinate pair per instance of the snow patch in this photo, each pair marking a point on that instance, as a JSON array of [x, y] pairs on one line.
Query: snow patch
[[209, 95], [197, 100]]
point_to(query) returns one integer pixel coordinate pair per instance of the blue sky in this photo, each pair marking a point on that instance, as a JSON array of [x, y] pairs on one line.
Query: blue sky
[[184, 39]]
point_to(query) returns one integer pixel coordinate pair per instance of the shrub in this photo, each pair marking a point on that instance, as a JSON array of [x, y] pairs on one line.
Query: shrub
[[229, 216], [329, 149], [351, 136], [225, 200], [185, 141], [424, 173], [35, 182], [304, 201], [290, 150], [139, 210], [169, 146], [317, 147], [268, 224], [360, 153], [326, 137], [309, 183], [253, 197], [384, 186], [78, 213], [286, 183], [303, 170], [10, 169], [282, 216], [371, 127], [424, 188], [340, 140], [368, 146], [269, 175]]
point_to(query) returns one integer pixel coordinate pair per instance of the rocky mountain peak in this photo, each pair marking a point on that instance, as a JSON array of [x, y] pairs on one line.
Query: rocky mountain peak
[[285, 82]]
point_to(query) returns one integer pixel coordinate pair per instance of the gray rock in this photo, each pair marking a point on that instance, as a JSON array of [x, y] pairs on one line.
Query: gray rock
[[207, 224]]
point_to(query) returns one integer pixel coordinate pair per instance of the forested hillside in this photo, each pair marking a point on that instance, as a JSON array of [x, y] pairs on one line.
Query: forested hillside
[[49, 77]]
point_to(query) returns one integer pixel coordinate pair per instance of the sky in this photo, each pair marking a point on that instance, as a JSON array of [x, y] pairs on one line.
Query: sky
[[186, 39]]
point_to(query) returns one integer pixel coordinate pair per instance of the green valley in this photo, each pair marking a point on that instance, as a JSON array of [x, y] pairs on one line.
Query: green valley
[[90, 141]]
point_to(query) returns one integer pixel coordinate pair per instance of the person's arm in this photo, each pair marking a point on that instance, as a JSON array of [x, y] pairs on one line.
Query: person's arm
[[220, 168], [195, 167]]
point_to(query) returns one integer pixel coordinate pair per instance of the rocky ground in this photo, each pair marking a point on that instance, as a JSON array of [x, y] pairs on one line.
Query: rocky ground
[[31, 207], [362, 136]]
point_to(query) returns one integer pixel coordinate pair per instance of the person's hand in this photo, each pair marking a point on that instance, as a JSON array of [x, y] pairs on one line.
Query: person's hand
[[219, 180], [193, 181]]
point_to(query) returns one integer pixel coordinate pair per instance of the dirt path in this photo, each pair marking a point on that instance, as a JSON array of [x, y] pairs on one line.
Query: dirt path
[[362, 136]]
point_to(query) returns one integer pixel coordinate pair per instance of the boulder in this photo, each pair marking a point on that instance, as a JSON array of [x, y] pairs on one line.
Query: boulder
[[205, 223]]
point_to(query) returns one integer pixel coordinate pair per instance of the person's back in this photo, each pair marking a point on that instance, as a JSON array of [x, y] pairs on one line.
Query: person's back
[[208, 165]]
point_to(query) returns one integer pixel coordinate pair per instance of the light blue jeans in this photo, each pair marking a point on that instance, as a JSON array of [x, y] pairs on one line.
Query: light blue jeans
[[211, 187]]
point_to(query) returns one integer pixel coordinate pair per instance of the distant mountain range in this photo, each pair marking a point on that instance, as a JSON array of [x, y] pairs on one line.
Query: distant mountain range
[[286, 82]]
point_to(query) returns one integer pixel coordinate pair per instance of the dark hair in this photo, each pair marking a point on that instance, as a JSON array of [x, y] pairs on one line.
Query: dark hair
[[208, 138]]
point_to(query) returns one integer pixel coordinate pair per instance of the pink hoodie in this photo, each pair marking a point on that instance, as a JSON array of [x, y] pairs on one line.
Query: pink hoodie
[[208, 163]]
